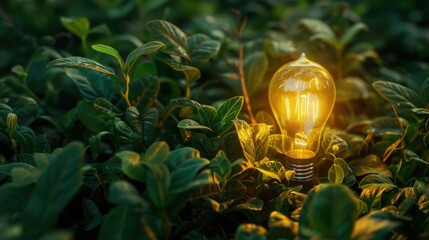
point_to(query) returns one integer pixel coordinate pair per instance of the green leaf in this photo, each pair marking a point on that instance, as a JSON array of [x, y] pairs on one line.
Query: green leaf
[[109, 51], [179, 103], [375, 225], [352, 88], [105, 106], [82, 84], [156, 154], [376, 179], [220, 166], [25, 108], [330, 212], [321, 31], [56, 186], [143, 92], [131, 165], [125, 222], [264, 117], [281, 227], [14, 198], [7, 168], [250, 231], [245, 135], [229, 111], [372, 195], [369, 164], [261, 133], [255, 66], [336, 174], [91, 118], [80, 62], [132, 115], [92, 214], [351, 32], [180, 155], [123, 193], [171, 36], [100, 29], [183, 176], [191, 73], [146, 49], [397, 94], [79, 26], [270, 169], [202, 48], [207, 115], [24, 176], [192, 125], [158, 183], [411, 156], [19, 71], [333, 144], [150, 119]]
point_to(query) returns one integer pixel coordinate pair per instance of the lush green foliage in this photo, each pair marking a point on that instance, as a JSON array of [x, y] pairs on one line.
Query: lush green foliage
[[114, 125]]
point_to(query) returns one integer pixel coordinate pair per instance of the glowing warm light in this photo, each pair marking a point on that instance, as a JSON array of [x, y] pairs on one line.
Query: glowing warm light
[[302, 96]]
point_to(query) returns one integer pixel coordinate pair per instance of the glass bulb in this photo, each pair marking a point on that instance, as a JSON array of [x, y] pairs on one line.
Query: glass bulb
[[302, 96]]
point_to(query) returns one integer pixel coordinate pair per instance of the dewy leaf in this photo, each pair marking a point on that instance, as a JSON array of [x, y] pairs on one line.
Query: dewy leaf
[[56, 186], [245, 135], [202, 48], [397, 94], [109, 51], [192, 125], [255, 66], [79, 26], [171, 36], [146, 49], [80, 62], [351, 32]]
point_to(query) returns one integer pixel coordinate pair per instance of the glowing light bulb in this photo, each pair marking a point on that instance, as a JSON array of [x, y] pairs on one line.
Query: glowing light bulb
[[302, 96]]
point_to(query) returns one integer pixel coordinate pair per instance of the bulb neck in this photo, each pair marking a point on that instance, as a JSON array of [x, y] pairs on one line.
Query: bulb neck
[[304, 168]]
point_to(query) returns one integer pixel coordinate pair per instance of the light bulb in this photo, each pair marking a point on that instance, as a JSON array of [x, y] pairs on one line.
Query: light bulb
[[302, 96]]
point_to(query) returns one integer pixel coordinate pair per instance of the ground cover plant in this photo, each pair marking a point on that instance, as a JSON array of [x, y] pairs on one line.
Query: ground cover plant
[[150, 120]]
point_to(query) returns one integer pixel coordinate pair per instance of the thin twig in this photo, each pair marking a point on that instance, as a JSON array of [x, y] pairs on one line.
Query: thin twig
[[241, 25]]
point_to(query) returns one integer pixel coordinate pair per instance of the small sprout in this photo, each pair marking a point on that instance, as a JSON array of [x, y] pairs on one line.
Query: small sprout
[[11, 120], [335, 148]]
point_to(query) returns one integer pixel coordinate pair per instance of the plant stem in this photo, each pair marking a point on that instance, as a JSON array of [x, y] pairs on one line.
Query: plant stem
[[127, 90], [167, 226], [242, 24], [188, 90]]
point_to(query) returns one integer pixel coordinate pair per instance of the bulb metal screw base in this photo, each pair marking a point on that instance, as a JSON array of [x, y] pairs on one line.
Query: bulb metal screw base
[[303, 171]]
